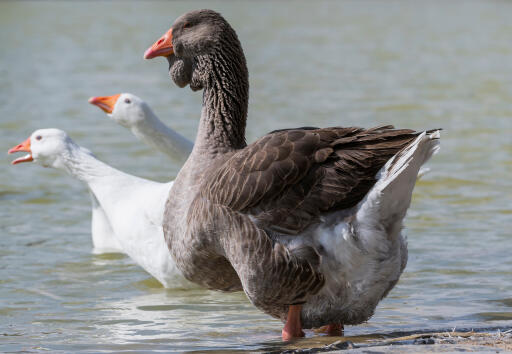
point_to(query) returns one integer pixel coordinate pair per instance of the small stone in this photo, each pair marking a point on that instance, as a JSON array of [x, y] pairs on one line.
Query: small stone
[[424, 341]]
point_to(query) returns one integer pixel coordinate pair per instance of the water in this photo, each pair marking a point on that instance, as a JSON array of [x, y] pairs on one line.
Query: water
[[415, 64]]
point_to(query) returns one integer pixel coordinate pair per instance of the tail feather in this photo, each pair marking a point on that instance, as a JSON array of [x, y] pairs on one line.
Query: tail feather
[[390, 197]]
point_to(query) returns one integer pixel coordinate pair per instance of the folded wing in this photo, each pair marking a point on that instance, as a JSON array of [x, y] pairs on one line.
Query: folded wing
[[287, 179]]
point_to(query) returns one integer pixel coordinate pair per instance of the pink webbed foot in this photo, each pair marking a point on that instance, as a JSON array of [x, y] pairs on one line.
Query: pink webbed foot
[[333, 329], [293, 328]]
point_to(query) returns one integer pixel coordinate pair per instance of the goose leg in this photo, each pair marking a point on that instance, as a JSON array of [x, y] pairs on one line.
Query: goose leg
[[293, 328], [332, 329]]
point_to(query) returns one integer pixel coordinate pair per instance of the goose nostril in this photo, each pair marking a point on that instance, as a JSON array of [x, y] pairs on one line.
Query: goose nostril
[[160, 41]]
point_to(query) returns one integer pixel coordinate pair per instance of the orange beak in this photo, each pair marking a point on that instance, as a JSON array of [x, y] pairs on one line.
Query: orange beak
[[161, 48], [106, 103], [25, 147]]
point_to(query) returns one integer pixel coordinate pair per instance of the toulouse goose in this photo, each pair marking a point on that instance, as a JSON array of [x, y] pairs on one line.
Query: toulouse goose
[[133, 113], [132, 206], [306, 221]]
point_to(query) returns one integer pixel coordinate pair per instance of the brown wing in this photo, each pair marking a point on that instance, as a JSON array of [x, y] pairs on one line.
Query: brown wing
[[288, 178]]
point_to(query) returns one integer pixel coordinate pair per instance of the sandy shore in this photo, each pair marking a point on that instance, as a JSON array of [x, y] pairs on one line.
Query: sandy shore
[[474, 340]]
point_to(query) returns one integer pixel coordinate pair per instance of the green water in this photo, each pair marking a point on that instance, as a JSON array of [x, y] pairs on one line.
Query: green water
[[417, 64]]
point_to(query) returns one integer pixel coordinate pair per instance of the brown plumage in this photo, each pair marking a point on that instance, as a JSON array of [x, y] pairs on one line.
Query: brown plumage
[[288, 178], [307, 216]]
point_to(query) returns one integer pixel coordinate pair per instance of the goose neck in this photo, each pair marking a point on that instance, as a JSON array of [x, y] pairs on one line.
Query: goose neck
[[156, 134], [81, 164], [225, 100]]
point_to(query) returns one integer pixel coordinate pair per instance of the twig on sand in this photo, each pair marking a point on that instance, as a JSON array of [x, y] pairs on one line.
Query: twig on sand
[[437, 335]]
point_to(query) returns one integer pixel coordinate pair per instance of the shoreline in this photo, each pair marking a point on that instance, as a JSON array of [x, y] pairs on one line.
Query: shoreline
[[495, 339]]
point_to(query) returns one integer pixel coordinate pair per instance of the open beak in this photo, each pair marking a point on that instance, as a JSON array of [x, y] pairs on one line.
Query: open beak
[[25, 147], [161, 48], [106, 103]]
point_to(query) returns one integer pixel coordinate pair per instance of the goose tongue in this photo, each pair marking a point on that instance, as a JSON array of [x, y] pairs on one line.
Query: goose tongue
[[25, 147], [161, 48], [106, 103]]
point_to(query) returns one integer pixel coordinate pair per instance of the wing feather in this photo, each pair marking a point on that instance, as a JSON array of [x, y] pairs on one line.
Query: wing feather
[[288, 178]]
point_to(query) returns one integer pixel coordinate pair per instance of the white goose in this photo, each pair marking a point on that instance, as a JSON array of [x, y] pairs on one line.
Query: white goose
[[133, 113], [131, 206], [103, 239]]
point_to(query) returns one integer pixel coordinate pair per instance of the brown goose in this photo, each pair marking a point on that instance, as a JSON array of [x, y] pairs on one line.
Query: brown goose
[[306, 221]]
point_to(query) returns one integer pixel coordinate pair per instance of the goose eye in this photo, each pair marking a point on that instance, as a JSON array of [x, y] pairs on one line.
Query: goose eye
[[127, 100], [186, 25], [39, 137]]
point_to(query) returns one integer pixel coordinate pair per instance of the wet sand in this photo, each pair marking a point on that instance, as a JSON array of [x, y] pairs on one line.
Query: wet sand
[[452, 340]]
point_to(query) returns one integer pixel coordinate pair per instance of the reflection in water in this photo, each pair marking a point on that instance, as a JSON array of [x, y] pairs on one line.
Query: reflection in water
[[172, 317], [505, 302], [495, 316], [416, 64]]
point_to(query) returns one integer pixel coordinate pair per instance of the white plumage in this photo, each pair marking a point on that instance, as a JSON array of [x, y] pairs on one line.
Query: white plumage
[[127, 210]]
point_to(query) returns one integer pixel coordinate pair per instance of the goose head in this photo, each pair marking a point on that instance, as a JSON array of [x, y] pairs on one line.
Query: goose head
[[47, 147], [125, 109], [192, 39]]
